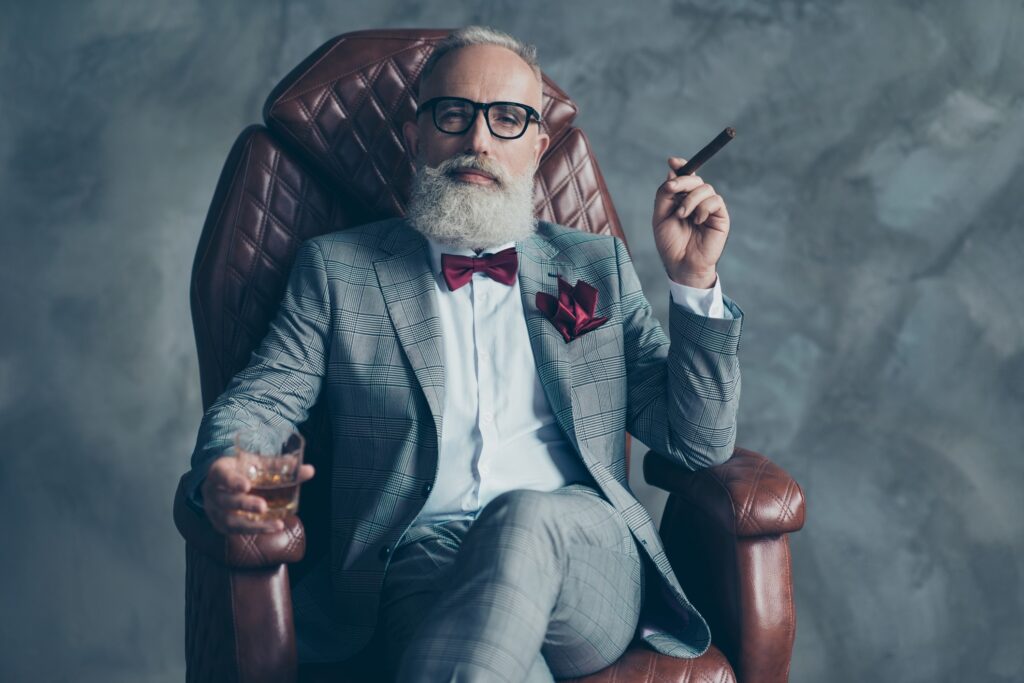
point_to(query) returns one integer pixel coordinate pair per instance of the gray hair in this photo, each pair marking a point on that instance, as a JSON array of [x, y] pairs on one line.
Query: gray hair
[[480, 35]]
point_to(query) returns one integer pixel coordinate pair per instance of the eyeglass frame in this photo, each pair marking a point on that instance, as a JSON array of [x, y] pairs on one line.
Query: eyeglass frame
[[531, 113]]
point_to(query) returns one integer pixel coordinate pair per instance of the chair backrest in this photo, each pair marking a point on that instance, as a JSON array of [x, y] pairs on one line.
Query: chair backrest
[[332, 156]]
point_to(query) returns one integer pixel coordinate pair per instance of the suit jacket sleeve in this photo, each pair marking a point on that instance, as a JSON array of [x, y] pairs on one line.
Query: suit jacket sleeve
[[283, 378], [683, 391]]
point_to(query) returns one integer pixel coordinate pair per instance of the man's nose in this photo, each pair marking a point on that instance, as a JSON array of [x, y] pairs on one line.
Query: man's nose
[[478, 137]]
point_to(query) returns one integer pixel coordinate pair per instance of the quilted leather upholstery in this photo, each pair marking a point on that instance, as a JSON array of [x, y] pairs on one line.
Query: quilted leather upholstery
[[570, 189], [725, 535], [640, 665], [240, 551], [265, 205], [344, 106], [209, 627], [748, 495]]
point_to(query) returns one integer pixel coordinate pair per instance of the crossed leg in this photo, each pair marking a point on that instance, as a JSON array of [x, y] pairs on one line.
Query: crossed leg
[[540, 585]]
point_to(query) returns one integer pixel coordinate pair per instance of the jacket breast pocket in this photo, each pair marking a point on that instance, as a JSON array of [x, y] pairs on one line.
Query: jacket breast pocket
[[599, 347], [599, 389]]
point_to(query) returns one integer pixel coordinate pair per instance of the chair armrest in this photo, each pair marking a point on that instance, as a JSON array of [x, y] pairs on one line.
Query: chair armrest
[[238, 551], [747, 495], [725, 533], [238, 605]]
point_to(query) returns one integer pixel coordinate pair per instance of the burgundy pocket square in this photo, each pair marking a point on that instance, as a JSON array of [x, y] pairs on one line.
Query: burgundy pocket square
[[572, 313]]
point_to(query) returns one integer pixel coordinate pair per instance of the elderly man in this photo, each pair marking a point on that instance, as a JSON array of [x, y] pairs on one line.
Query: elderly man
[[482, 370]]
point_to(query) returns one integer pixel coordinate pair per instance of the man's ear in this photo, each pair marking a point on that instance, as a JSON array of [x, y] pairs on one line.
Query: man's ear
[[411, 131], [543, 140]]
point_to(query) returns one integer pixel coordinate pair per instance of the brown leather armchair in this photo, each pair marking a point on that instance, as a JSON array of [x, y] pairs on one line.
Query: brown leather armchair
[[332, 156]]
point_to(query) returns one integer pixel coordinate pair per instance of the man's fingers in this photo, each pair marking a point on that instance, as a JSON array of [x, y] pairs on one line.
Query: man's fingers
[[706, 208], [230, 502], [666, 200], [240, 523], [235, 481], [224, 474], [680, 195], [676, 163], [693, 199], [306, 473], [683, 183], [666, 205], [669, 191]]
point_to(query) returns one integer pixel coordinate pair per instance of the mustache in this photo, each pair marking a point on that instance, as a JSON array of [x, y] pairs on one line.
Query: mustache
[[465, 162]]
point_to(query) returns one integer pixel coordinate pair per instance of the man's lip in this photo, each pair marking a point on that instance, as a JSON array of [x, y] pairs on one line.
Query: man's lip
[[473, 172]]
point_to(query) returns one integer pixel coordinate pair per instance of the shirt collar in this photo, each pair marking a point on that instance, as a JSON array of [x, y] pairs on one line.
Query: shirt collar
[[437, 248]]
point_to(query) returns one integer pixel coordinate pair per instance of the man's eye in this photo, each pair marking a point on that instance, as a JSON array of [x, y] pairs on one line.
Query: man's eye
[[507, 116]]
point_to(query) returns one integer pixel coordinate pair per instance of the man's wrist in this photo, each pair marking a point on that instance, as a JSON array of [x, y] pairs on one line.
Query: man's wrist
[[695, 280]]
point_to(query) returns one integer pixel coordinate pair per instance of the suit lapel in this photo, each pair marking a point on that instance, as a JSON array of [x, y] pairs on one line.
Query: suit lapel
[[540, 265], [408, 288]]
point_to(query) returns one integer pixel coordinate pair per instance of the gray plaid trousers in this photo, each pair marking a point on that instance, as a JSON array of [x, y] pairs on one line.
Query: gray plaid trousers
[[540, 585]]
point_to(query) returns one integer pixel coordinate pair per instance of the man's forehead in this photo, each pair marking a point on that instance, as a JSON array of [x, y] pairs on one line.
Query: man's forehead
[[484, 72]]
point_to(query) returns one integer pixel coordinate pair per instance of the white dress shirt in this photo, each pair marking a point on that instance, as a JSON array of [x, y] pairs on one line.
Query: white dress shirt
[[499, 433]]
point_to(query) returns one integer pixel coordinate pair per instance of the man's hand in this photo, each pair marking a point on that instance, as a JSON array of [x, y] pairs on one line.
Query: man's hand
[[690, 229], [226, 499]]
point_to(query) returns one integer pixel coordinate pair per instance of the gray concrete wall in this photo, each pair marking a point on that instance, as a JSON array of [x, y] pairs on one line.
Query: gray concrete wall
[[877, 249]]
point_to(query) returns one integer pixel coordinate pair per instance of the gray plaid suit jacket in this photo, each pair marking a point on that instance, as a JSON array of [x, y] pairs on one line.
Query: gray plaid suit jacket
[[359, 320]]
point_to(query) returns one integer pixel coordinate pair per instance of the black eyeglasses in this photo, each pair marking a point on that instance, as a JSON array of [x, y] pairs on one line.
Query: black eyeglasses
[[455, 115]]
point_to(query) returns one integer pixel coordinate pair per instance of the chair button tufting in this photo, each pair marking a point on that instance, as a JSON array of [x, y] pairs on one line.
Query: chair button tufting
[[384, 552]]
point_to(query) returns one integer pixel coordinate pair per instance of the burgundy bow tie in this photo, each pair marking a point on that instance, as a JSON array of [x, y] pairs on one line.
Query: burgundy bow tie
[[458, 270]]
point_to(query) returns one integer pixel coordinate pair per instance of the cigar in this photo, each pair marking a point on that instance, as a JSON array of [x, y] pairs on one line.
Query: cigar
[[709, 151]]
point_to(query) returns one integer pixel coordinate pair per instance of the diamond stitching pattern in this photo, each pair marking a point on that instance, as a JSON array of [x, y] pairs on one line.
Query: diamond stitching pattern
[[748, 495], [367, 150], [568, 189], [346, 117], [276, 206], [764, 497], [641, 665], [250, 551]]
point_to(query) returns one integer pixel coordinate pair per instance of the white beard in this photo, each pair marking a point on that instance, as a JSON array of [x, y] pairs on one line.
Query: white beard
[[467, 215]]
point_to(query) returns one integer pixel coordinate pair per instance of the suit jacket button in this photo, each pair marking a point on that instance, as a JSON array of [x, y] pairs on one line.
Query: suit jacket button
[[384, 552], [427, 488]]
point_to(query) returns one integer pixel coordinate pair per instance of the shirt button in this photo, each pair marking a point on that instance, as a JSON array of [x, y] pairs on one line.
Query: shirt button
[[484, 355], [384, 553], [486, 417], [427, 488]]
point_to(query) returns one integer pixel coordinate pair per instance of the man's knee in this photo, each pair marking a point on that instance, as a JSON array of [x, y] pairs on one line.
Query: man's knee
[[524, 529], [519, 498], [521, 507]]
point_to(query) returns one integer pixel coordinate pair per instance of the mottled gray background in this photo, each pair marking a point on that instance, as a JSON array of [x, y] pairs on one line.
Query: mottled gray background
[[875, 190]]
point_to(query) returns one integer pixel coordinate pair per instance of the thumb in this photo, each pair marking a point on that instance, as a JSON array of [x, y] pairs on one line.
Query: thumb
[[675, 163], [667, 201]]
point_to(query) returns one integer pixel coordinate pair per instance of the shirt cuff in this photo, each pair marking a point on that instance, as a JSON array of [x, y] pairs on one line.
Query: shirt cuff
[[705, 302]]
